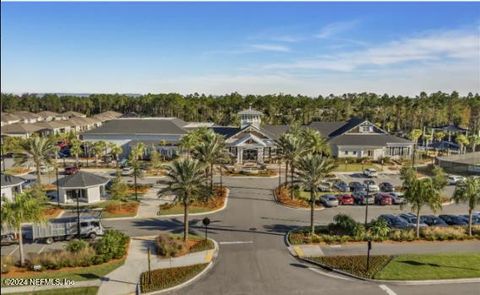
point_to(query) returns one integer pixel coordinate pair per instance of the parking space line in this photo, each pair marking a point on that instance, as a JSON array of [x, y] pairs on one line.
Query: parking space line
[[41, 249], [13, 251], [387, 289]]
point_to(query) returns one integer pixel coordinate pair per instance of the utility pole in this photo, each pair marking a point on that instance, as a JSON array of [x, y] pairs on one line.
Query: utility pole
[[366, 205]]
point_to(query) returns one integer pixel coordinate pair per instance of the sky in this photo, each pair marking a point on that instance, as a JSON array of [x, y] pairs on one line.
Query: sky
[[251, 48]]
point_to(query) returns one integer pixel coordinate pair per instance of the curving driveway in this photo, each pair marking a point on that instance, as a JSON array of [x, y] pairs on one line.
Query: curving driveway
[[253, 257]]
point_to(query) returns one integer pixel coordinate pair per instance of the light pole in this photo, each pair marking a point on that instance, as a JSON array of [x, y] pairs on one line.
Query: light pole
[[58, 187], [369, 247], [366, 207], [221, 177], [78, 212], [279, 172]]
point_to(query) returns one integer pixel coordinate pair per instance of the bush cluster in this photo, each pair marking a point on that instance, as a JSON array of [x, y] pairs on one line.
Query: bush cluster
[[169, 246], [168, 277], [7, 263], [112, 245]]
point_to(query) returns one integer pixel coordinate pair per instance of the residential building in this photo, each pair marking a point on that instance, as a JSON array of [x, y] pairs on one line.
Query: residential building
[[87, 187], [10, 186], [8, 119]]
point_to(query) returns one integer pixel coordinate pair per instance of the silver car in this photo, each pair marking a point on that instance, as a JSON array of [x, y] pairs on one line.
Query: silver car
[[397, 198], [329, 201]]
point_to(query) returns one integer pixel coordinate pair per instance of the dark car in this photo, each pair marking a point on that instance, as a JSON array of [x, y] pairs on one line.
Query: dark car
[[346, 199], [355, 186], [432, 220], [411, 219], [395, 221], [383, 199], [454, 219], [64, 153], [475, 218], [341, 186], [71, 170], [386, 187], [361, 198]]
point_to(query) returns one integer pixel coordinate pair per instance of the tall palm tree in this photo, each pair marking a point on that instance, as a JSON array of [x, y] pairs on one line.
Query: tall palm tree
[[414, 136], [76, 149], [116, 151], [24, 208], [282, 152], [468, 192], [185, 179], [296, 148], [137, 169], [463, 141], [312, 169], [474, 141], [98, 149], [315, 142], [420, 193], [41, 150], [210, 151]]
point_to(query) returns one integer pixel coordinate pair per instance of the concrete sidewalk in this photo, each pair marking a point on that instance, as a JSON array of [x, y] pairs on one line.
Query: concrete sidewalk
[[124, 279], [385, 248]]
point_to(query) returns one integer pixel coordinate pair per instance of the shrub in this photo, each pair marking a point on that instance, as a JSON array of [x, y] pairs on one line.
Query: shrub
[[443, 233], [169, 246], [60, 258], [379, 230], [402, 235], [7, 263], [343, 224], [112, 245], [355, 264], [76, 245]]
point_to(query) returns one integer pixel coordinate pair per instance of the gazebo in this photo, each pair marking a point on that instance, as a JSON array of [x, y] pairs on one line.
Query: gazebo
[[87, 187]]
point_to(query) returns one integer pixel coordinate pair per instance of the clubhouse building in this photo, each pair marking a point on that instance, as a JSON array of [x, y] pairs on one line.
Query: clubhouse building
[[252, 141]]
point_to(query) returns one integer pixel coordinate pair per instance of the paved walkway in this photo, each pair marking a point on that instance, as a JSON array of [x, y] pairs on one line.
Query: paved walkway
[[124, 279], [385, 248]]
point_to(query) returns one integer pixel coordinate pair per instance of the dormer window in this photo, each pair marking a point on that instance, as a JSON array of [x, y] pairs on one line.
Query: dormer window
[[366, 129]]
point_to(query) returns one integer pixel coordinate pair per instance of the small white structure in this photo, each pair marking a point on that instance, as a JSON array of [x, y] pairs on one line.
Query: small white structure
[[87, 187], [11, 185]]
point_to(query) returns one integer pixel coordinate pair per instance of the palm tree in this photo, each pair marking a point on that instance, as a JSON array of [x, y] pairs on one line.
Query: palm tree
[[210, 151], [188, 142], [463, 141], [474, 141], [137, 170], [98, 149], [185, 179], [296, 148], [76, 149], [312, 169], [420, 193], [315, 142], [116, 151], [138, 150], [414, 136], [282, 151], [24, 208], [468, 192], [41, 150]]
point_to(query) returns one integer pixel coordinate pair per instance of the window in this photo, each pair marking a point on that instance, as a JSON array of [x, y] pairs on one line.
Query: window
[[366, 128], [354, 152], [83, 224], [346, 152]]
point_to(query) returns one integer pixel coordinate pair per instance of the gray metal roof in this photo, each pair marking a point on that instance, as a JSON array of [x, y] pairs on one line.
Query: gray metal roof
[[141, 126], [469, 158], [10, 180], [274, 131], [20, 128], [82, 179], [326, 128], [7, 117]]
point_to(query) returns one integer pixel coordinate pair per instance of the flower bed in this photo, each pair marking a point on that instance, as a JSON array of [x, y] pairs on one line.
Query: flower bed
[[52, 212], [141, 188], [215, 202], [283, 196], [356, 264], [168, 277], [120, 209], [168, 245]]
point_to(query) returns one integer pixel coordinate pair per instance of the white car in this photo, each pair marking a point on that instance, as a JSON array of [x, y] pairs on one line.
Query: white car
[[370, 172], [371, 185], [127, 171], [454, 179]]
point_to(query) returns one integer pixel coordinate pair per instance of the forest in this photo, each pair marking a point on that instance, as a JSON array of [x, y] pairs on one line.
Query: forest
[[393, 113]]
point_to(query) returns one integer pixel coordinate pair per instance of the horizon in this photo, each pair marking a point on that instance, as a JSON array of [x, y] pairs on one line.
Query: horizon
[[399, 49]]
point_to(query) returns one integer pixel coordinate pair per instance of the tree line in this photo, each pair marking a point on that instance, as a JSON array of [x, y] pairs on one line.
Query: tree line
[[393, 113]]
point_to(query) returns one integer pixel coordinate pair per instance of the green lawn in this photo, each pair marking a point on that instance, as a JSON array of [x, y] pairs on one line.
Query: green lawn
[[77, 274], [427, 267], [355, 167], [64, 291], [178, 209]]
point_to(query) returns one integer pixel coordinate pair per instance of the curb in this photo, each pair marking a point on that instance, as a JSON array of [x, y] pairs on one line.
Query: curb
[[200, 274], [291, 207], [201, 213], [247, 176]]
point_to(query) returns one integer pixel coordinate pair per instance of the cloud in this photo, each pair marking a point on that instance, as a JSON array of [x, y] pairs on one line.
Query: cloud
[[433, 46], [336, 28], [270, 47]]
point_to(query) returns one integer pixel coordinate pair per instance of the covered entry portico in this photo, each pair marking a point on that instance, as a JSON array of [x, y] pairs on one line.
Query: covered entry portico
[[250, 145]]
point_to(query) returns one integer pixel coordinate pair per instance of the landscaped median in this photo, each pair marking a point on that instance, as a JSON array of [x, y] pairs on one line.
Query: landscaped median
[[64, 291], [193, 258], [216, 202], [408, 267]]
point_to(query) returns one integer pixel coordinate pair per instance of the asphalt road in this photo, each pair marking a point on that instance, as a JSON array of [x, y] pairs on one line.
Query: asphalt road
[[253, 257]]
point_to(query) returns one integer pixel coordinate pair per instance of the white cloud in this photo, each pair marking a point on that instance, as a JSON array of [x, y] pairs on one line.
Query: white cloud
[[335, 28], [270, 47]]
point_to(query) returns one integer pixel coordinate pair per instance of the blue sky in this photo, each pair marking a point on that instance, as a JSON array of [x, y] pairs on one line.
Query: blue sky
[[252, 48]]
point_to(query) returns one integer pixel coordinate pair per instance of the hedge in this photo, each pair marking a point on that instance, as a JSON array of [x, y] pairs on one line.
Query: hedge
[[168, 277]]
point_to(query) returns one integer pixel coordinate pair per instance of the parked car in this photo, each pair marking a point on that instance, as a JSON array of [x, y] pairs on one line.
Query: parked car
[[71, 170], [46, 169], [475, 218], [123, 163], [355, 185], [342, 186], [386, 187], [395, 221], [346, 199], [51, 195], [325, 187], [361, 198], [371, 185], [65, 153], [28, 183], [370, 172], [383, 199], [411, 218], [455, 179], [397, 198], [329, 201], [432, 220], [8, 239], [454, 219], [127, 171]]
